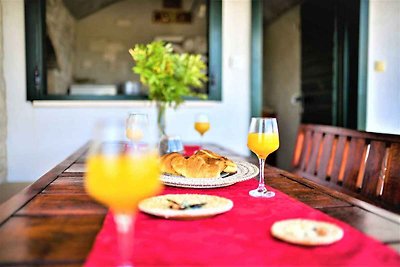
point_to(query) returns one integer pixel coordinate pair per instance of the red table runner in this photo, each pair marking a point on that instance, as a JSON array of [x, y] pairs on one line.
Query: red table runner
[[240, 237]]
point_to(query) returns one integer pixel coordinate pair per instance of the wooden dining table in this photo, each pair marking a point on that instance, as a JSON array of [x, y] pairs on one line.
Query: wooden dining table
[[54, 222]]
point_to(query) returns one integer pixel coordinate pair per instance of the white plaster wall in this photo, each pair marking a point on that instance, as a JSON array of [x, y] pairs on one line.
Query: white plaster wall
[[3, 113], [383, 94], [39, 138], [282, 79]]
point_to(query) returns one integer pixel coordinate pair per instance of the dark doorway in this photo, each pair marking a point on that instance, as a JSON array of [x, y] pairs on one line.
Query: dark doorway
[[329, 62]]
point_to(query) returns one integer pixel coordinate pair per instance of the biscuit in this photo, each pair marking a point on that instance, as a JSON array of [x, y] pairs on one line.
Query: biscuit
[[306, 232]]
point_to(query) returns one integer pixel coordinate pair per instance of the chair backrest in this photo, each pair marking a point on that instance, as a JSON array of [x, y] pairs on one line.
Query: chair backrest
[[362, 164]]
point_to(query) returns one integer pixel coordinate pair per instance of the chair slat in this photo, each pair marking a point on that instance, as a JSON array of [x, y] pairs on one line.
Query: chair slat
[[306, 150], [324, 158], [298, 148], [332, 158], [353, 164], [337, 161], [391, 188], [312, 162], [373, 168]]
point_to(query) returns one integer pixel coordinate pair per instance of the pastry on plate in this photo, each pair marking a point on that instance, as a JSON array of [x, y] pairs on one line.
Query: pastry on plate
[[196, 167], [166, 166], [203, 164], [208, 155]]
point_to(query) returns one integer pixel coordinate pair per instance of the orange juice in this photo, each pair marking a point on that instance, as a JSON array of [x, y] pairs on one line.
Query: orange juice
[[202, 127], [121, 181], [263, 144], [134, 134]]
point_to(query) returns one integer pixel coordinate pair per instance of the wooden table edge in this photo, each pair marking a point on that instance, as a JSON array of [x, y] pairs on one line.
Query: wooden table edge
[[11, 206]]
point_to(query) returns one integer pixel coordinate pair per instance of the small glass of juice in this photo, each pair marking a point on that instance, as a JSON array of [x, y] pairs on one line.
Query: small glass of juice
[[202, 125]]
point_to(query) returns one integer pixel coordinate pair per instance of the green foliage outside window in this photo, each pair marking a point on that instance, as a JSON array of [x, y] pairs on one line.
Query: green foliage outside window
[[169, 76]]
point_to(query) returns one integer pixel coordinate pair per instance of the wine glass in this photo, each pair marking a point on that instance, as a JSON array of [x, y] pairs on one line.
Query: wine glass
[[136, 126], [120, 175], [263, 139], [201, 125]]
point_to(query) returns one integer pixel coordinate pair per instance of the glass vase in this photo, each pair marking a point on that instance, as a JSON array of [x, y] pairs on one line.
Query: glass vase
[[161, 108]]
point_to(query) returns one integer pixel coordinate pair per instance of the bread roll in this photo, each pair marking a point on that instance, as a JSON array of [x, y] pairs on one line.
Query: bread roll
[[207, 155], [203, 164], [166, 160]]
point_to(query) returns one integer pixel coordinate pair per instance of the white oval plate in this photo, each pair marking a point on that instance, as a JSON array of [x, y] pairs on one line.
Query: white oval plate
[[245, 172], [160, 206]]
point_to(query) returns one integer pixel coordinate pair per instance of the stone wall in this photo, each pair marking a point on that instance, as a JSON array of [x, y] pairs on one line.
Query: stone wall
[[61, 30], [3, 109]]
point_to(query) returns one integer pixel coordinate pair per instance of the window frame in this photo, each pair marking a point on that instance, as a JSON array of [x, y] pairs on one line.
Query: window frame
[[36, 74]]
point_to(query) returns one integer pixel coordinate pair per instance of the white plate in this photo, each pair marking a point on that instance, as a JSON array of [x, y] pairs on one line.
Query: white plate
[[245, 172], [160, 206]]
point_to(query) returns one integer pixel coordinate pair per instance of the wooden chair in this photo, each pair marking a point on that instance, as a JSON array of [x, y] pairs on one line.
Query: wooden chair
[[361, 164]]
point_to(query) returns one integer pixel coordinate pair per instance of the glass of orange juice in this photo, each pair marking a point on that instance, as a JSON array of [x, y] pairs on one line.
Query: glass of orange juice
[[119, 175], [201, 125], [136, 126], [263, 139]]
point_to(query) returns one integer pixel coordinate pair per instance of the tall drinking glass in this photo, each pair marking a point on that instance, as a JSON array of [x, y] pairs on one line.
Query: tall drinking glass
[[137, 126], [201, 125], [263, 139], [119, 175]]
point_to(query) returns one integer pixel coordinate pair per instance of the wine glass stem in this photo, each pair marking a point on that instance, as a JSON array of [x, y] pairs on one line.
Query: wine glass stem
[[261, 182], [125, 230]]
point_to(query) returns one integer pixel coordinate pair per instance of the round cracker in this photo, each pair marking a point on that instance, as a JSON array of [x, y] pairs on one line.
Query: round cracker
[[307, 232]]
